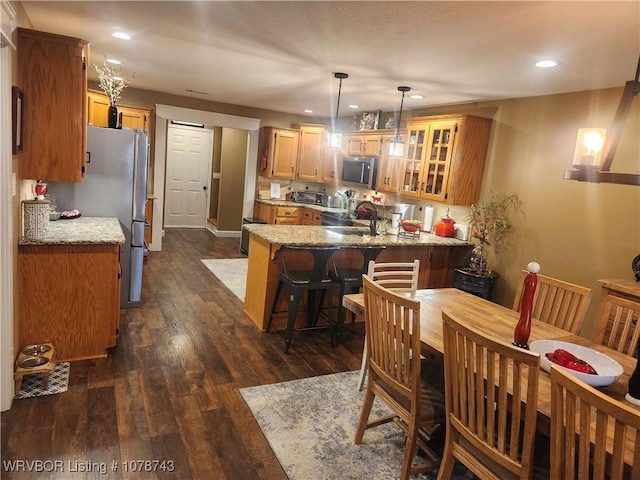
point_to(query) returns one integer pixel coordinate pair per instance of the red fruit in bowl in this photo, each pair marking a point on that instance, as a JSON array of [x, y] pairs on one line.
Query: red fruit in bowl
[[561, 357], [581, 366]]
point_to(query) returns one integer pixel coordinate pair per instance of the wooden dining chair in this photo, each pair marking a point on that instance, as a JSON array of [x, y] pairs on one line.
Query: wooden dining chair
[[392, 322], [556, 302], [618, 324], [581, 416], [400, 277], [491, 392]]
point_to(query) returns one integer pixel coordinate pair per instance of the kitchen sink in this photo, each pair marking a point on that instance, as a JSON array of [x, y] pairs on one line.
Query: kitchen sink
[[359, 231]]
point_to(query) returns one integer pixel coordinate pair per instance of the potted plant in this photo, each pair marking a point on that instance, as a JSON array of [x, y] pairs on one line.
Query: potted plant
[[112, 83], [489, 223]]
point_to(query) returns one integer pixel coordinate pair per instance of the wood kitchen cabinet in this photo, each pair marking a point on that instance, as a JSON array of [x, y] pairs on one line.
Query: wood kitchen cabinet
[[277, 215], [279, 152], [332, 165], [389, 168], [69, 295], [364, 145], [52, 74], [310, 148], [311, 216], [132, 117], [444, 157]]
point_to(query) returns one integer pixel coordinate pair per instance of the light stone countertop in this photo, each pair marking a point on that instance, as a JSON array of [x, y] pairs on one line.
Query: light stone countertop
[[312, 235], [78, 231]]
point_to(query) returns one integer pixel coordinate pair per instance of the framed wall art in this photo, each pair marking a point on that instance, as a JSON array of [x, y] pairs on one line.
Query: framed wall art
[[368, 120], [17, 112]]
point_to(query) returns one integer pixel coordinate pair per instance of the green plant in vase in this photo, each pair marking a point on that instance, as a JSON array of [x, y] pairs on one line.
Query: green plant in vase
[[489, 223]]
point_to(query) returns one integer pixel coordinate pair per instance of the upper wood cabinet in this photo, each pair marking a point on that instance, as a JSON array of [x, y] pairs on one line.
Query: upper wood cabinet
[[389, 168], [52, 74], [132, 117], [279, 152], [309, 166], [444, 156], [331, 165], [364, 145]]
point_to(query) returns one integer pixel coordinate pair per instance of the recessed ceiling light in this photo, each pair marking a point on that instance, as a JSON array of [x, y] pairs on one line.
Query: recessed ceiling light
[[122, 35], [417, 97], [113, 61], [308, 110], [354, 106], [546, 63]]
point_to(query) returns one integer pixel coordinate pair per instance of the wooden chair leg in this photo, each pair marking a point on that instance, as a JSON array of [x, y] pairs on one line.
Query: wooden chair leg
[[363, 367]]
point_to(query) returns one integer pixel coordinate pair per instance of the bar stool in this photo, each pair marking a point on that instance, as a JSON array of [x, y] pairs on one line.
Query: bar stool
[[300, 281], [350, 281]]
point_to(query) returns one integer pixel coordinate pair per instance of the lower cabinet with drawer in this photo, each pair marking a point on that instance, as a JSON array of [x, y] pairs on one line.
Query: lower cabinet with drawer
[[311, 216]]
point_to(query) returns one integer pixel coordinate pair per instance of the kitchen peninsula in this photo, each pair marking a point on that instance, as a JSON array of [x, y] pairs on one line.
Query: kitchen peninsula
[[438, 256], [69, 287]]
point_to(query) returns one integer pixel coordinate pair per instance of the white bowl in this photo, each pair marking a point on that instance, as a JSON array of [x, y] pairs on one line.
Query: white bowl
[[608, 369]]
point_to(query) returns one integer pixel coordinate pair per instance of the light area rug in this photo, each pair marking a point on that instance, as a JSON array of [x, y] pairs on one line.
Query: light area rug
[[230, 271], [310, 425], [33, 385]]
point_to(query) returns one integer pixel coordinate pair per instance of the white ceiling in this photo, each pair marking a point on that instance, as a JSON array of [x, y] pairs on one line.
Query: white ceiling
[[282, 55]]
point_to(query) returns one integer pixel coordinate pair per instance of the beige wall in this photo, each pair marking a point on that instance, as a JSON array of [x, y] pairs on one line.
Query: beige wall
[[577, 231], [232, 173]]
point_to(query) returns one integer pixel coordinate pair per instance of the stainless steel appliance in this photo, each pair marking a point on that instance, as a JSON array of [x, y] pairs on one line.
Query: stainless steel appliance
[[360, 172], [315, 198], [115, 185]]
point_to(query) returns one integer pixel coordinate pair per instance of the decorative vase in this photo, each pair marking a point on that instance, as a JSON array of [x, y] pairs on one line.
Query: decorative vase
[[478, 261], [634, 381], [113, 116], [523, 327]]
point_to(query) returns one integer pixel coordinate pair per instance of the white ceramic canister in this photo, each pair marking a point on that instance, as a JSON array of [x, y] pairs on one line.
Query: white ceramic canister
[[36, 218]]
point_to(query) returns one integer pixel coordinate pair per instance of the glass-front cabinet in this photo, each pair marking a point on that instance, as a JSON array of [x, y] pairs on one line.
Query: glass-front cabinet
[[444, 156], [437, 160]]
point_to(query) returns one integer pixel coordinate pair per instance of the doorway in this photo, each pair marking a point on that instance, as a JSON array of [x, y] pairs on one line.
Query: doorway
[[189, 154], [166, 113]]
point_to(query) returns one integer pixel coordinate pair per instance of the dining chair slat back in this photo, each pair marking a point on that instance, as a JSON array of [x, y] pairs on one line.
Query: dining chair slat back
[[400, 277], [556, 302], [392, 323], [618, 324], [580, 418], [491, 392]]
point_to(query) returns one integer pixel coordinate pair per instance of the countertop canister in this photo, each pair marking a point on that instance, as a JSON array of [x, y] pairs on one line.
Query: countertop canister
[[36, 218]]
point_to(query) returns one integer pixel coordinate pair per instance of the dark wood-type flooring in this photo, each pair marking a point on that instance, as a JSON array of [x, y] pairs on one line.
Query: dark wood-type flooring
[[169, 389]]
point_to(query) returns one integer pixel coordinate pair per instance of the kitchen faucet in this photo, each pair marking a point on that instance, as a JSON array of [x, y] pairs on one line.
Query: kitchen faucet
[[374, 217]]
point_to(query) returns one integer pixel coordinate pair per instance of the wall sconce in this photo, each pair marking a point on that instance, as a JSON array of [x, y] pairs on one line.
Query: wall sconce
[[589, 148], [334, 139], [396, 148], [595, 149]]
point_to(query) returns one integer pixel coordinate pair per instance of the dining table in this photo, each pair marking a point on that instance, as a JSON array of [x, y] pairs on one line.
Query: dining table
[[499, 322]]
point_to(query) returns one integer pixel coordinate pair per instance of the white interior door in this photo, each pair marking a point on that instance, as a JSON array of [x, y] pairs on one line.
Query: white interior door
[[189, 154]]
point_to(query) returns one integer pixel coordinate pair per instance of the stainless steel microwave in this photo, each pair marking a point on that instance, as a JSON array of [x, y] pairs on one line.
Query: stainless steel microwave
[[360, 172]]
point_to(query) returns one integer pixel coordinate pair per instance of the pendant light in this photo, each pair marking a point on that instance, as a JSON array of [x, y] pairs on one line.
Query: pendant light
[[396, 148], [334, 139]]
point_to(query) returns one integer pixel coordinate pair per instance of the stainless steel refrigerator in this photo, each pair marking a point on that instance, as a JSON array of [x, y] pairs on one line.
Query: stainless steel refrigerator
[[115, 185]]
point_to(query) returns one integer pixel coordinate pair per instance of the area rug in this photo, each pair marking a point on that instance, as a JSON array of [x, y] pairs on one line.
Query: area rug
[[32, 385], [310, 425], [230, 271]]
